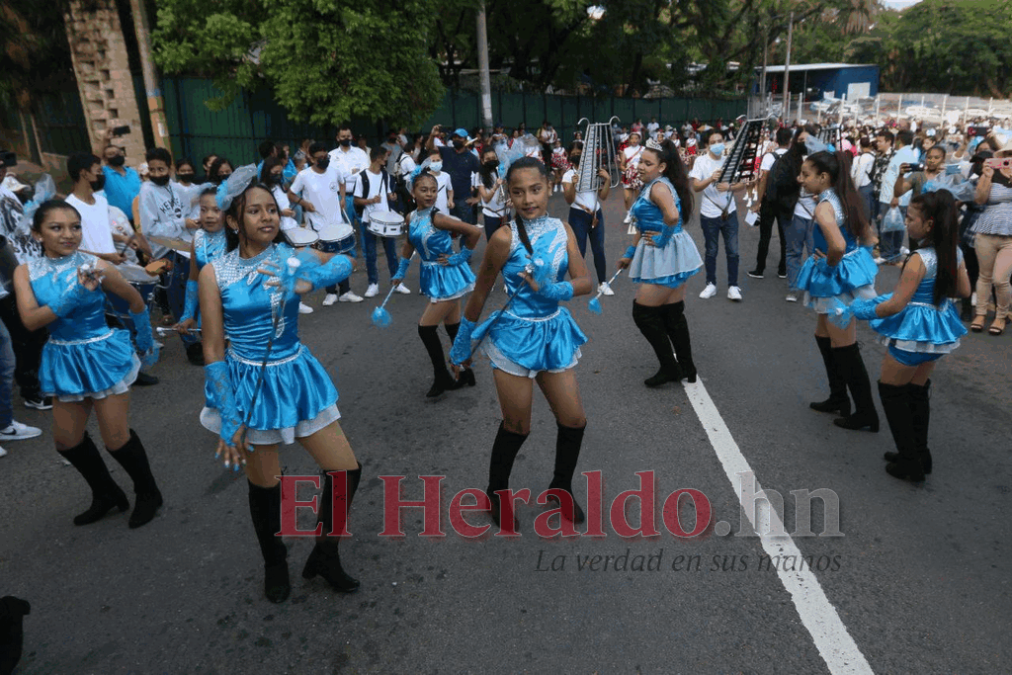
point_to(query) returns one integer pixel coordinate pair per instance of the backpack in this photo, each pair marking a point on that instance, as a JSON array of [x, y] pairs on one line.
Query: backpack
[[364, 177], [878, 170], [782, 183]]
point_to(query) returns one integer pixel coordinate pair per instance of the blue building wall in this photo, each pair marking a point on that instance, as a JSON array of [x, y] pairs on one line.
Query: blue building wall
[[835, 80]]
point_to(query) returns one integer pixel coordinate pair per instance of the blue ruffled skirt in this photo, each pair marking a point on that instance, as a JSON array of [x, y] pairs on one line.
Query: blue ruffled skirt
[[93, 368], [446, 282], [528, 346], [297, 398], [852, 278], [922, 328], [670, 266]]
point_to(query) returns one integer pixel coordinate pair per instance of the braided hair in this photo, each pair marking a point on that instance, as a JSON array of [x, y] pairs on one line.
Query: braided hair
[[542, 169]]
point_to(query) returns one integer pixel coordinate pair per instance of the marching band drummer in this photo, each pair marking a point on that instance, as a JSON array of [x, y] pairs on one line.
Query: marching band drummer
[[662, 259], [585, 214], [534, 338], [86, 365], [374, 192], [267, 388], [445, 277], [273, 172]]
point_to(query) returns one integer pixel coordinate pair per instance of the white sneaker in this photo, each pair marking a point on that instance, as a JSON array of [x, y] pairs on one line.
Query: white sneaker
[[628, 218], [372, 291], [904, 250], [18, 432], [305, 309], [973, 298], [330, 299], [350, 297], [3, 453], [708, 292], [734, 293], [403, 290], [605, 289], [792, 297]]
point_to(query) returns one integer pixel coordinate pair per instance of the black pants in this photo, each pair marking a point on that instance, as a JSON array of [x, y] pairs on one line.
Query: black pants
[[27, 348], [767, 214]]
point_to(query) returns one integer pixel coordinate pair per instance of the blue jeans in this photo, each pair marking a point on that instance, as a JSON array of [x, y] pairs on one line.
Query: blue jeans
[[713, 228], [800, 235], [349, 208], [580, 221], [369, 247], [870, 202], [464, 211], [7, 364]]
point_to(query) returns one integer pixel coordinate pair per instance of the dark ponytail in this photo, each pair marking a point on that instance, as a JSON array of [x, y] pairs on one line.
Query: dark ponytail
[[837, 165], [237, 210], [677, 174], [526, 163], [940, 206]]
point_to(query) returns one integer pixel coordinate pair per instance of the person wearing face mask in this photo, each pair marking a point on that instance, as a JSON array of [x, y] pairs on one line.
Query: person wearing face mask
[[122, 184], [490, 191], [349, 160], [717, 215], [186, 176], [444, 189], [220, 170], [460, 164], [586, 217], [85, 170], [394, 150]]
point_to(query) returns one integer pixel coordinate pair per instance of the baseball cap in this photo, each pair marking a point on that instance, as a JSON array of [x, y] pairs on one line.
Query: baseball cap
[[462, 132]]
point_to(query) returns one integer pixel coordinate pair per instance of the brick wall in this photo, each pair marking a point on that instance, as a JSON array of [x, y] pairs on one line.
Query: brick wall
[[102, 68]]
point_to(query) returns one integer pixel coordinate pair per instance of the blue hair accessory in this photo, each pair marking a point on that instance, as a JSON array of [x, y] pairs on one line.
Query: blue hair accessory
[[235, 185]]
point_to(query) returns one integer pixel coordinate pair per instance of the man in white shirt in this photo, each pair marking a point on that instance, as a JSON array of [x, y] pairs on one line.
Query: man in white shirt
[[860, 173], [586, 217], [890, 243], [374, 192], [717, 214], [767, 212], [653, 126], [320, 191], [350, 161], [85, 171]]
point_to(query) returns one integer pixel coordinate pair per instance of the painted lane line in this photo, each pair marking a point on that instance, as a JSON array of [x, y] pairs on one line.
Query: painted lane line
[[835, 645]]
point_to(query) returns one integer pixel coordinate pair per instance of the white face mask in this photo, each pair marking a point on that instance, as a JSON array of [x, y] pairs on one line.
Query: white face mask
[[436, 166]]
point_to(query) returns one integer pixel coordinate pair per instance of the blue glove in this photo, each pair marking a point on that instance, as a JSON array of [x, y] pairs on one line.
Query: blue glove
[[71, 298], [865, 309], [461, 258], [192, 301], [402, 268], [560, 290], [461, 350], [145, 341], [330, 273], [219, 383], [665, 236], [629, 252]]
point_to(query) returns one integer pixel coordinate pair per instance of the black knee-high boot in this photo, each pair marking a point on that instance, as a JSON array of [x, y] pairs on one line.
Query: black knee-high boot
[[504, 453], [148, 499], [920, 409], [677, 327], [325, 560], [650, 321], [896, 404], [851, 368], [466, 374], [105, 493], [443, 380], [567, 453], [838, 400], [265, 510]]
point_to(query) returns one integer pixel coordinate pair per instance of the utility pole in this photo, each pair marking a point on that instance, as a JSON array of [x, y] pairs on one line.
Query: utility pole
[[787, 69], [766, 50], [486, 85], [156, 104]]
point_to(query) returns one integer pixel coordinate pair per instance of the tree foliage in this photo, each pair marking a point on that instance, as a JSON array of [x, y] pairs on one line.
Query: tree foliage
[[34, 52], [323, 59]]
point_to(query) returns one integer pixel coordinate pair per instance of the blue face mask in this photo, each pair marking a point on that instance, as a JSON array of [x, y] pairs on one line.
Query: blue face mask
[[717, 149], [436, 166]]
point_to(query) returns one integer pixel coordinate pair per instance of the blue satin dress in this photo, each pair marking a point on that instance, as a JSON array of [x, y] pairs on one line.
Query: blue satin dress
[[922, 331], [534, 334], [208, 246], [677, 260], [853, 277], [439, 282], [83, 358], [297, 397]]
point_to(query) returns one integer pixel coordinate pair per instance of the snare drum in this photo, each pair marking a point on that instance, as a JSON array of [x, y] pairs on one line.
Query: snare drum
[[135, 274], [386, 224], [336, 239], [300, 236]]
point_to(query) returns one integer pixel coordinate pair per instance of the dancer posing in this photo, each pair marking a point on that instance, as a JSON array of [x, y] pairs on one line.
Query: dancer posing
[[920, 325], [841, 268], [85, 364], [446, 276], [661, 259], [533, 339], [267, 389]]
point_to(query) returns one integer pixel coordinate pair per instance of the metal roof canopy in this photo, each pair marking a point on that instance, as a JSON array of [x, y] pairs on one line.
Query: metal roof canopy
[[815, 66]]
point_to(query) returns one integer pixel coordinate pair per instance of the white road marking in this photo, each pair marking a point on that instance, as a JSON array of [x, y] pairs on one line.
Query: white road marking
[[835, 645]]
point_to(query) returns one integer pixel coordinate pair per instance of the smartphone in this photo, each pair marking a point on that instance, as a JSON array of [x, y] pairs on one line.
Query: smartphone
[[951, 169], [121, 131], [977, 131], [999, 163], [8, 159], [914, 168]]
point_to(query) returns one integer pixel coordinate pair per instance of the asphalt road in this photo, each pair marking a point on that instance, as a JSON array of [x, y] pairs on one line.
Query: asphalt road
[[919, 578]]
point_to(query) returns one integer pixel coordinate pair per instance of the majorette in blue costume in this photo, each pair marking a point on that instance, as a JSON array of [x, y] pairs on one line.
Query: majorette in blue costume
[[208, 245]]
